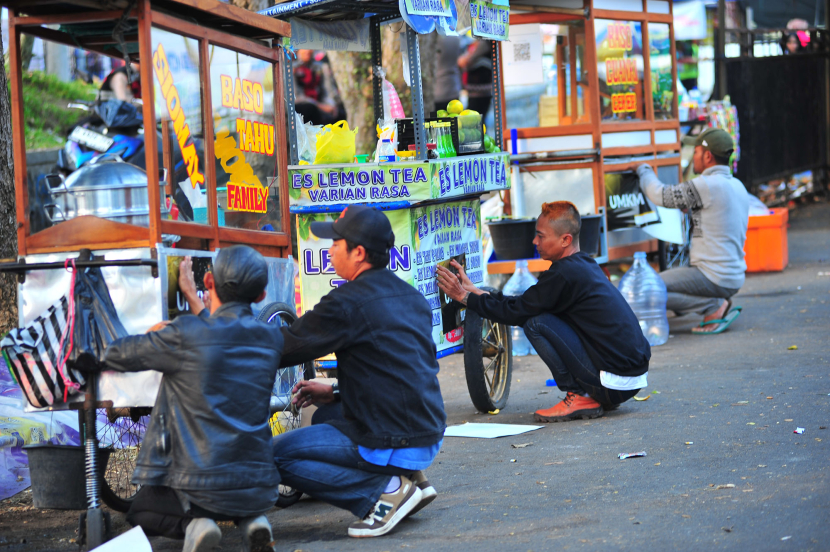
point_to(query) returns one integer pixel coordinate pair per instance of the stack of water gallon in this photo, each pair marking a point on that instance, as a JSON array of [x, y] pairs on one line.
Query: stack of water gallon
[[521, 280]]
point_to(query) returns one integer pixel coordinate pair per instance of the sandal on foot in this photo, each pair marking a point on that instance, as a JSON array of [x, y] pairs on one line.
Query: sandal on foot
[[721, 324]]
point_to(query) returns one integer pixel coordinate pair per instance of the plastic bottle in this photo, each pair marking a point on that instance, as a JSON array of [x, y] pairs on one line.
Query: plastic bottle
[[645, 292], [521, 280], [448, 145], [386, 152]]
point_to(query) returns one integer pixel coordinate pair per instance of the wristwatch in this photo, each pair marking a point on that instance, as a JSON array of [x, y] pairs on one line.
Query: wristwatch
[[466, 296]]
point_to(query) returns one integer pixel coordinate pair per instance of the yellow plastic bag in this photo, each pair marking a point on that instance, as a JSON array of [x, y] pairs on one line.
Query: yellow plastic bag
[[335, 144]]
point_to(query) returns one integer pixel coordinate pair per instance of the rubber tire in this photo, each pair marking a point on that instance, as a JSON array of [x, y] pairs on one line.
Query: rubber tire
[[287, 495], [474, 363]]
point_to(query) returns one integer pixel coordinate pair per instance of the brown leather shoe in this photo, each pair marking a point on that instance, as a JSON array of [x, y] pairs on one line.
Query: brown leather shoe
[[572, 407]]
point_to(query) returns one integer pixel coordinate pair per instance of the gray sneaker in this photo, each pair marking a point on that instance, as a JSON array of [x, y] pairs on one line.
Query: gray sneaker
[[428, 492], [389, 510], [256, 534], [201, 535]]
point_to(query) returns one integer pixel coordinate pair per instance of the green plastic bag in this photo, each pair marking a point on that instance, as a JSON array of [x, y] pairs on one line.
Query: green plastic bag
[[335, 144]]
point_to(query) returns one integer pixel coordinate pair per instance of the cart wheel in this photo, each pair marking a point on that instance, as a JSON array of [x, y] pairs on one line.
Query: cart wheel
[[488, 361], [122, 433], [286, 416]]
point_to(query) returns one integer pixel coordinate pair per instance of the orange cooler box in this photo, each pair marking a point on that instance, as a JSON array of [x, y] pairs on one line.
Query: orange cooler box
[[766, 242]]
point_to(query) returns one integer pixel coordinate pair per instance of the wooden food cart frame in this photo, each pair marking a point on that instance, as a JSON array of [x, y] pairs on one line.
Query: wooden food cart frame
[[209, 23], [218, 24], [658, 152]]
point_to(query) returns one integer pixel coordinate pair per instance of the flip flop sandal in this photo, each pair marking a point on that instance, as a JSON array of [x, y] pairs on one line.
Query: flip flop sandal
[[721, 323]]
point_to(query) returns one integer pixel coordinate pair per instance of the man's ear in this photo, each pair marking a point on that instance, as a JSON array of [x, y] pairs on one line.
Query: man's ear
[[568, 239], [360, 256], [210, 283], [260, 297]]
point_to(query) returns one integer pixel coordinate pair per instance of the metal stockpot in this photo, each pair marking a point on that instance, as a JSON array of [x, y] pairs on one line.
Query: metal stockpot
[[107, 188]]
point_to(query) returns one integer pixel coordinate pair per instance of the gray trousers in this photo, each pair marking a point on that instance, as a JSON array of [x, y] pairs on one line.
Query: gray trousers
[[690, 291]]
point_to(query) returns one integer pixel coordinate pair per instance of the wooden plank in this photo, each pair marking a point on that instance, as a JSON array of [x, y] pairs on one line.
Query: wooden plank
[[190, 229], [544, 14], [625, 150], [625, 126], [593, 100], [167, 155], [667, 124], [272, 26], [281, 144], [88, 232], [574, 85], [68, 18], [250, 237], [210, 138], [21, 196], [148, 111], [266, 250], [673, 47], [180, 26], [631, 16], [647, 92], [560, 167]]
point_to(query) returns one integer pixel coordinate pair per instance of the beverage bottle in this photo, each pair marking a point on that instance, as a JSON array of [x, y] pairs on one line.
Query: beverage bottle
[[520, 282], [386, 152], [432, 151], [645, 292], [450, 148]]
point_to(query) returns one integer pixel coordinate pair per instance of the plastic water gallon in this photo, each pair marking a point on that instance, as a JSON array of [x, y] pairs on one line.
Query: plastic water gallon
[[645, 292], [521, 280]]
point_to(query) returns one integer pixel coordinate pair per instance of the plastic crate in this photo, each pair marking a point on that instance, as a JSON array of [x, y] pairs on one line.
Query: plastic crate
[[766, 242]]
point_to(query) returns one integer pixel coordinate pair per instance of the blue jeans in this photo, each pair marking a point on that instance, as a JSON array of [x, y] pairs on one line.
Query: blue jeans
[[562, 351], [323, 463]]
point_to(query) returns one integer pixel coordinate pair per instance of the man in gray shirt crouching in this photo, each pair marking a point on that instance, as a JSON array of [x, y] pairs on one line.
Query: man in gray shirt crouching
[[719, 207]]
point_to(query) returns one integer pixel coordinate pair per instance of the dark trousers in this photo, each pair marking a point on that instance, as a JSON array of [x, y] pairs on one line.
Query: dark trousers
[[159, 512], [564, 354]]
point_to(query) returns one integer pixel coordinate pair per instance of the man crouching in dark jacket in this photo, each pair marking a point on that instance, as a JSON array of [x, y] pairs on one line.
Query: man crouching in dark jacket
[[206, 454]]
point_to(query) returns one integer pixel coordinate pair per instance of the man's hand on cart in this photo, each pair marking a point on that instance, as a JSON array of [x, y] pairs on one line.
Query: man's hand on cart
[[187, 287], [307, 393], [457, 285]]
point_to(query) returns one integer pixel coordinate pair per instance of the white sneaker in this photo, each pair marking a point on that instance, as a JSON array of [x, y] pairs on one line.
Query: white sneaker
[[388, 511], [201, 535], [256, 534]]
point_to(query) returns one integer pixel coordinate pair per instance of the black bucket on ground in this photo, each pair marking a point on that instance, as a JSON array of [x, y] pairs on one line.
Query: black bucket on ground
[[58, 474], [589, 234], [513, 239]]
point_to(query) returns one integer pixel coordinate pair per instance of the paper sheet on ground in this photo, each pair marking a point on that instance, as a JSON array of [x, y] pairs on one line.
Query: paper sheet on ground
[[487, 431], [133, 540]]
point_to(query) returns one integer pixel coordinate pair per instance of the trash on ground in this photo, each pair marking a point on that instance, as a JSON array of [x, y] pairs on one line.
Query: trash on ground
[[493, 412], [769, 397], [740, 403], [513, 460], [689, 443], [792, 347], [487, 431], [133, 540], [799, 430], [788, 537], [523, 445], [728, 529], [642, 398], [725, 486], [655, 392], [550, 383], [624, 455]]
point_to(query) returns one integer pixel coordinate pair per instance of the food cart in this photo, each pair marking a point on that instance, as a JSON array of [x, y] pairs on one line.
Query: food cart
[[432, 204], [589, 93], [215, 174]]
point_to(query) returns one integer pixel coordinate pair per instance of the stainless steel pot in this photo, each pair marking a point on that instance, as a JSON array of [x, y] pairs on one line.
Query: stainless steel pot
[[108, 188]]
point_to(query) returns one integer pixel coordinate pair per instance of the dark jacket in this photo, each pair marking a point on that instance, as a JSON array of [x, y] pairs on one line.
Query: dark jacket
[[576, 290], [209, 428], [380, 328]]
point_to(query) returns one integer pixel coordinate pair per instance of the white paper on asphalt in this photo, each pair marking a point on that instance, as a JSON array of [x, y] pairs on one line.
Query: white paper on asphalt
[[487, 431], [133, 540]]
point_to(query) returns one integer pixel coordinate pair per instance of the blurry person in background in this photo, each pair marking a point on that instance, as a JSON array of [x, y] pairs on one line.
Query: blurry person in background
[[317, 96]]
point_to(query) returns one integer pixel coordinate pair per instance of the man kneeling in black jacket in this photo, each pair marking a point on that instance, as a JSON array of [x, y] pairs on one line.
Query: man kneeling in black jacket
[[206, 454], [576, 320], [368, 458]]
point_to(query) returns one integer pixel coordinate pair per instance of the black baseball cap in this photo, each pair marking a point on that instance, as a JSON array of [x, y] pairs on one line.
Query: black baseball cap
[[361, 225]]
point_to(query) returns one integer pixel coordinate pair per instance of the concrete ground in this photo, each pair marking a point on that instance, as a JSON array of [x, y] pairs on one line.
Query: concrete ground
[[723, 470]]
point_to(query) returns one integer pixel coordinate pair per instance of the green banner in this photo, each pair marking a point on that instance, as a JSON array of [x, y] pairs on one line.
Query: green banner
[[424, 237], [489, 20], [413, 182]]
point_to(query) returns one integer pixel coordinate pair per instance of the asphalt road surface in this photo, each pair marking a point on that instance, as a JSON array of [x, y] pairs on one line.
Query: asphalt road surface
[[724, 469]]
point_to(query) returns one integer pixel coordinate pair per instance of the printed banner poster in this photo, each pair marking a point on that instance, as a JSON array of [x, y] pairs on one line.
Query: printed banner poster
[[428, 7], [349, 36], [490, 20], [413, 182], [424, 237]]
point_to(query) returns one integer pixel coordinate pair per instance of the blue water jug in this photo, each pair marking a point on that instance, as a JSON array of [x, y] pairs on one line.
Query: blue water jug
[[521, 280], [645, 292]]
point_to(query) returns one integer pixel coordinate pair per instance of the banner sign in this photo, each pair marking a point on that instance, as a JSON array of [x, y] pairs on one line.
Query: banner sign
[[489, 21], [344, 36], [327, 185], [428, 7], [424, 237]]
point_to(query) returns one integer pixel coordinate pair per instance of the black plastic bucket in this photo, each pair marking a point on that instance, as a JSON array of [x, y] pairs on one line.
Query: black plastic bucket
[[589, 234], [58, 474], [513, 239]]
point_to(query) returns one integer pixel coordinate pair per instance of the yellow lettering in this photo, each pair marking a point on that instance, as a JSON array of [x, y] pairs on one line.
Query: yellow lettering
[[269, 140], [249, 136], [247, 91], [258, 98], [240, 131], [238, 100], [259, 131]]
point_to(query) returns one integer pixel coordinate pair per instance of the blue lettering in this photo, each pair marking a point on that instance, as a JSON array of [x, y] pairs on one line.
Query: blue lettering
[[362, 178], [395, 174], [399, 258], [308, 265]]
